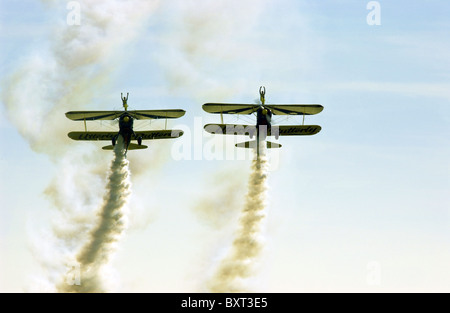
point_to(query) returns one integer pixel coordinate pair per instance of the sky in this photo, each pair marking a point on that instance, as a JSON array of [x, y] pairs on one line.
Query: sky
[[362, 206]]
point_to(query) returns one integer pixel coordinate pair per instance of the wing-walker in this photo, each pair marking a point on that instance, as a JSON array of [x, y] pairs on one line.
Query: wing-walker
[[126, 119], [264, 127]]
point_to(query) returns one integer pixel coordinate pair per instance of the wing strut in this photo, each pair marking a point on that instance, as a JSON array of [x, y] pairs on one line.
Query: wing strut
[[165, 127], [85, 127]]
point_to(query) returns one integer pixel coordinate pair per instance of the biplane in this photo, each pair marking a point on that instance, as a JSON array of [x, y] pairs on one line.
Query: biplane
[[126, 119], [263, 127]]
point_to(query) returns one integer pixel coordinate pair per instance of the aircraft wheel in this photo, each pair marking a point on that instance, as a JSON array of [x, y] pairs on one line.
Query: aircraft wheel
[[114, 140], [139, 140]]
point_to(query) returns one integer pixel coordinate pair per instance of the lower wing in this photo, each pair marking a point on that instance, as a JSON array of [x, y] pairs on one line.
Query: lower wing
[[274, 130], [159, 134], [294, 130], [230, 129], [146, 135], [92, 135]]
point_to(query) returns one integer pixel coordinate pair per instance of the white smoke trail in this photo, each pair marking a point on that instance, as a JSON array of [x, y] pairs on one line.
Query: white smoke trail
[[70, 72], [77, 65], [246, 247], [97, 251]]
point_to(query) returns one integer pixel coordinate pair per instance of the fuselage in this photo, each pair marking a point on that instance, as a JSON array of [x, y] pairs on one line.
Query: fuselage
[[263, 122], [126, 129]]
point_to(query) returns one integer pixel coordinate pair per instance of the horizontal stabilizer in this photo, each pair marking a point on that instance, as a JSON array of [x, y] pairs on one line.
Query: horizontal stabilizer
[[252, 144], [132, 146], [272, 145], [247, 144]]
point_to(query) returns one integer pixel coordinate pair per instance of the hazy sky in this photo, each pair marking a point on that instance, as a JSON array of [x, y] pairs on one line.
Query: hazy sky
[[362, 206]]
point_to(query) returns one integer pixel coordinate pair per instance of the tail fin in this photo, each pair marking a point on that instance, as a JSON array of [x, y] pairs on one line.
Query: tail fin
[[252, 144]]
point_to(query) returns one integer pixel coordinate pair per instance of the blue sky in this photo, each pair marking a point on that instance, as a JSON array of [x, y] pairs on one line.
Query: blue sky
[[372, 186]]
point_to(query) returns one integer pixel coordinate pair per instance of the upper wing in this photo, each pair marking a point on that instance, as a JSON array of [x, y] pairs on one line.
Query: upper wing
[[278, 109], [92, 135], [155, 114], [293, 130], [111, 115], [295, 109], [159, 134], [228, 108], [93, 115]]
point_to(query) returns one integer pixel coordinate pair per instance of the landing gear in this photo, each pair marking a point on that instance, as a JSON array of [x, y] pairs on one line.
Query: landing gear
[[139, 140], [114, 140]]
